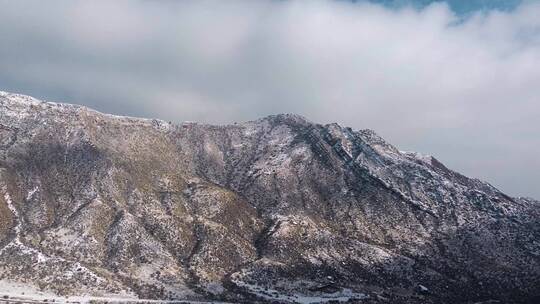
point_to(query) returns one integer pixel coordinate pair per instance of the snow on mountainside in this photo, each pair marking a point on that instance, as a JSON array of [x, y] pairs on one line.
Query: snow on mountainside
[[278, 208]]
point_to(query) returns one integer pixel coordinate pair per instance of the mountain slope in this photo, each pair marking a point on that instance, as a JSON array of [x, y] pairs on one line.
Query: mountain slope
[[280, 206]]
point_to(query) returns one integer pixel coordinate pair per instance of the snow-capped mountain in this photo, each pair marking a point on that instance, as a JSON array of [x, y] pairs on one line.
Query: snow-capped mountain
[[278, 209]]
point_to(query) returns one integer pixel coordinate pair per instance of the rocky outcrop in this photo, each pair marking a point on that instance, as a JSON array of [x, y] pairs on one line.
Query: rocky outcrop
[[278, 209]]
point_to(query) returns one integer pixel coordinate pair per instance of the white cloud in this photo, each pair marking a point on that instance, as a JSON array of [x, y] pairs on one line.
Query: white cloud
[[466, 90]]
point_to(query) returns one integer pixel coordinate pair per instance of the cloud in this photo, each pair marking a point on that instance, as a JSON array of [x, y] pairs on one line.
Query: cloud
[[465, 89]]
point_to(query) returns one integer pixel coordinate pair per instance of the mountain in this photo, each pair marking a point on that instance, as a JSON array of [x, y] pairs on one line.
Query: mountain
[[278, 209]]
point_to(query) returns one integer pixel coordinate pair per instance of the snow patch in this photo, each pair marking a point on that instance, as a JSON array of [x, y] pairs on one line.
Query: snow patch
[[419, 156], [31, 193], [344, 295]]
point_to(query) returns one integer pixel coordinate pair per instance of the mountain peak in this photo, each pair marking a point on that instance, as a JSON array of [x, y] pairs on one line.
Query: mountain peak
[[287, 118]]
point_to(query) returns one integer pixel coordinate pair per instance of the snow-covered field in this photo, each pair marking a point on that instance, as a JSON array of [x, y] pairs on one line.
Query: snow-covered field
[[24, 293], [274, 295]]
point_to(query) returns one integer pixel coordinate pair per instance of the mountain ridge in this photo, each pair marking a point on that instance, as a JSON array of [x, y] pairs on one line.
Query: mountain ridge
[[276, 208]]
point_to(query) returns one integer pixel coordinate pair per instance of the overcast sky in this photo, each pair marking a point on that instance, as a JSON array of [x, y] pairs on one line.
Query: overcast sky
[[459, 80]]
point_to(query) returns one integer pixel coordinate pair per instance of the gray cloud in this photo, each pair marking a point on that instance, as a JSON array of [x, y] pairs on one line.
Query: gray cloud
[[464, 90]]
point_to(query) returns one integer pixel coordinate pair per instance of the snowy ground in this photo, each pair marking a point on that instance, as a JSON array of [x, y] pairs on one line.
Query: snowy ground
[[23, 293], [274, 295]]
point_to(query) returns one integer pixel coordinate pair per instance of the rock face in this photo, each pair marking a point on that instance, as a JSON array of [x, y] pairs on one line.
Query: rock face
[[278, 209]]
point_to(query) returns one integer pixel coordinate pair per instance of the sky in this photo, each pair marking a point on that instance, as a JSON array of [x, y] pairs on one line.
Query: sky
[[459, 80]]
